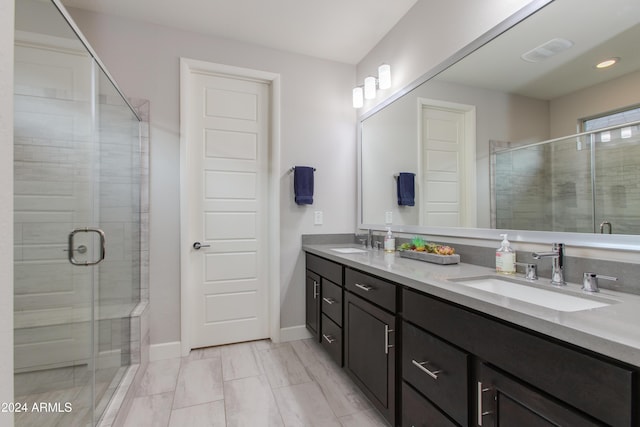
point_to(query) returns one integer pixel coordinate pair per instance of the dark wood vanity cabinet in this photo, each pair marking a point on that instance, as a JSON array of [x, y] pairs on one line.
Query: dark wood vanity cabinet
[[324, 295], [370, 338], [504, 401], [459, 367], [312, 302], [553, 380]]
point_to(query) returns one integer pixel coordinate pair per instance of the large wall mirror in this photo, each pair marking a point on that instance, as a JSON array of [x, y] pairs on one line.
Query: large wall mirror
[[523, 133]]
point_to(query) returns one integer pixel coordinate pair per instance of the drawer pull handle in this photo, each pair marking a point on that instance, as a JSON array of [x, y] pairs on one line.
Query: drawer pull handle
[[364, 287], [329, 301], [387, 346], [432, 374], [481, 413], [330, 339]]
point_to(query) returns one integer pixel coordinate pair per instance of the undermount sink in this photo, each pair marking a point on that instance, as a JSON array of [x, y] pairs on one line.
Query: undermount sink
[[549, 298], [349, 250]]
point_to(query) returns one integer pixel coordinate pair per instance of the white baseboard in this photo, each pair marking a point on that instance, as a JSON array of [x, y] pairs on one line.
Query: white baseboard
[[294, 333], [165, 350]]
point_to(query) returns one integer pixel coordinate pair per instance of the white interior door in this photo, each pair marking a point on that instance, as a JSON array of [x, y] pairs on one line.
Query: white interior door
[[448, 166], [227, 135]]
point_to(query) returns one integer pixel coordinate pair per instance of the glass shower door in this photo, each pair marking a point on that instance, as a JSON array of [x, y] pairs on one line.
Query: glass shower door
[[54, 174], [616, 177]]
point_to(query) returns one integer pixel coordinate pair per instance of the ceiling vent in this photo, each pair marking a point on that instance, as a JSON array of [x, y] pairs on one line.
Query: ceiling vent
[[546, 50]]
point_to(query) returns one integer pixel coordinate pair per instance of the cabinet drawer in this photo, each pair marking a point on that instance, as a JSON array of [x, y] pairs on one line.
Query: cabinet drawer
[[371, 288], [332, 339], [437, 370], [325, 268], [332, 301], [601, 389], [419, 412]]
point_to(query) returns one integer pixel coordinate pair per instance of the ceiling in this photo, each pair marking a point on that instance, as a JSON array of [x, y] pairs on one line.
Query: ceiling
[[603, 30], [337, 30]]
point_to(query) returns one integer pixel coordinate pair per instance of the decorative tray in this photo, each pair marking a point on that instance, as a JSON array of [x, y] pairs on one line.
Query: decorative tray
[[429, 257]]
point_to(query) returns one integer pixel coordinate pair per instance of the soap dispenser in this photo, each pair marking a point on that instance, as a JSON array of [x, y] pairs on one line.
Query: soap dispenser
[[389, 241], [505, 257]]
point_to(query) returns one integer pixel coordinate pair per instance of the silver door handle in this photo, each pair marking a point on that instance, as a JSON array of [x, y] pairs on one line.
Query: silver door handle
[[70, 247], [420, 365], [329, 301], [198, 245], [387, 346], [330, 339], [364, 287], [481, 413]]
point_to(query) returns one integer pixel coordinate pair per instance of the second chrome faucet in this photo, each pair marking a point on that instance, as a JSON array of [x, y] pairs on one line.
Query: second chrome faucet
[[557, 268]]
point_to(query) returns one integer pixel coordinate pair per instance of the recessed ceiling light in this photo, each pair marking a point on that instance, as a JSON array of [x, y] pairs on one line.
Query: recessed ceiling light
[[607, 63]]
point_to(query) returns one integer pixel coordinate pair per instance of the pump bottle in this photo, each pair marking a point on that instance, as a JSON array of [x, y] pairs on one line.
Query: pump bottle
[[505, 257]]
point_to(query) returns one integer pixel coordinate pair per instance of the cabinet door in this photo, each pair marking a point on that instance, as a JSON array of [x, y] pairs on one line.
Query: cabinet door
[[503, 401], [417, 411], [312, 299], [370, 352]]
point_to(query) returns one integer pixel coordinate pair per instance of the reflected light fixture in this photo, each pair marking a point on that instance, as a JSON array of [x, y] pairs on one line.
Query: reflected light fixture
[[371, 83], [384, 76], [358, 97], [607, 63], [370, 87]]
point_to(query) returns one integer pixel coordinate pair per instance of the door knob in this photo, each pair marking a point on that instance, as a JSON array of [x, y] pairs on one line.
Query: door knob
[[198, 245]]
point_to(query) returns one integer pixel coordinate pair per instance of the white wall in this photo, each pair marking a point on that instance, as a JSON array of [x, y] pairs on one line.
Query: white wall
[[613, 95], [430, 33], [317, 129], [6, 206]]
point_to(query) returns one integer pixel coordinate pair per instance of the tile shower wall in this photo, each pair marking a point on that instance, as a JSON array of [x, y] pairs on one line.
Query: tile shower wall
[[554, 187], [522, 190], [56, 189], [572, 187], [52, 298]]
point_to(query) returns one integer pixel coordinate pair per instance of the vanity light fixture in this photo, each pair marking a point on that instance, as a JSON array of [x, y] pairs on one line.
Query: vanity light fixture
[[607, 63], [371, 83]]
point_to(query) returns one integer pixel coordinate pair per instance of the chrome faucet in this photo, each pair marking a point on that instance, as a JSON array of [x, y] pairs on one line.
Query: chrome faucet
[[557, 268], [366, 239]]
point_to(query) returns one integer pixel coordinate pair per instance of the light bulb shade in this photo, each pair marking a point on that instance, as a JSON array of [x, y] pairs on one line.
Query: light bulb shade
[[370, 87], [384, 76], [358, 97]]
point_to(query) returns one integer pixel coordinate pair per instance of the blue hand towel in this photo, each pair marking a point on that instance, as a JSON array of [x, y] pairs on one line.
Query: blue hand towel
[[303, 185], [406, 189]]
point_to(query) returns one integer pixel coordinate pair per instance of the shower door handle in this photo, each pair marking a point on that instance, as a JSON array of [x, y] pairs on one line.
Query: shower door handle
[[70, 250]]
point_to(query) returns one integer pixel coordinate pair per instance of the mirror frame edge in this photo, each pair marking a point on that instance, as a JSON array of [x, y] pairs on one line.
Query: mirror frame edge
[[621, 242]]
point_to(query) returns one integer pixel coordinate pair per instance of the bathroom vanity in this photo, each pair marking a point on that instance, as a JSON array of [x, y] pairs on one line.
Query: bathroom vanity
[[429, 351]]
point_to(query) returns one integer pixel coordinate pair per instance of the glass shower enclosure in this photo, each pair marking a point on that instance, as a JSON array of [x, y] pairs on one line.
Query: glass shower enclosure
[[586, 183], [77, 223]]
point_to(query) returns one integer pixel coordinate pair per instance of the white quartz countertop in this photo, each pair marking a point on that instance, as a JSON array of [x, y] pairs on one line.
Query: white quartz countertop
[[613, 330]]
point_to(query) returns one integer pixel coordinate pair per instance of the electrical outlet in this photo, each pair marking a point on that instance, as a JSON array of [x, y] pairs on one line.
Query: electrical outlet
[[317, 218], [388, 217]]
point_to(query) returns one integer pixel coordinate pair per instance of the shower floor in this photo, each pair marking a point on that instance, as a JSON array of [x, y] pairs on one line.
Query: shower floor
[[55, 388]]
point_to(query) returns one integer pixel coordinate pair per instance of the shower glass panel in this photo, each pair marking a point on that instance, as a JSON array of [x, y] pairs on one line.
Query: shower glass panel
[[76, 180], [585, 183], [617, 181]]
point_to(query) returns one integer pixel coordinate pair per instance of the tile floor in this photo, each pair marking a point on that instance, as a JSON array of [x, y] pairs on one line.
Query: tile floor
[[60, 386], [251, 384]]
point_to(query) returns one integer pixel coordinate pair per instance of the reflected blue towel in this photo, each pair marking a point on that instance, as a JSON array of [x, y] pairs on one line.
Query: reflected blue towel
[[406, 189], [303, 185]]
